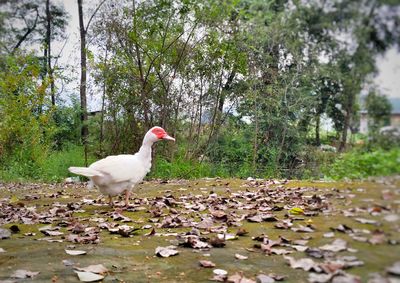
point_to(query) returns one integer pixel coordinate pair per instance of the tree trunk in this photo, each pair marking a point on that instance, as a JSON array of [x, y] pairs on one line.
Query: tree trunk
[[346, 126], [217, 119], [84, 116], [255, 141], [317, 129], [48, 47], [103, 100], [225, 90]]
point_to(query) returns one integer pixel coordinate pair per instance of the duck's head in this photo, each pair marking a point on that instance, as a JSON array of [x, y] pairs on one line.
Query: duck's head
[[157, 133]]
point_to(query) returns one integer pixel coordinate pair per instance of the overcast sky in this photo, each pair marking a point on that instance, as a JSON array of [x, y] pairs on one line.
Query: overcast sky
[[388, 78]]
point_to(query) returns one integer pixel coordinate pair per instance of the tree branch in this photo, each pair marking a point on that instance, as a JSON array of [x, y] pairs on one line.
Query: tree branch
[[27, 33], [93, 14]]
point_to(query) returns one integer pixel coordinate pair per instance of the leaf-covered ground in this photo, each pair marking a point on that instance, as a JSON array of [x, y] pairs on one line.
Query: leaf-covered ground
[[197, 231]]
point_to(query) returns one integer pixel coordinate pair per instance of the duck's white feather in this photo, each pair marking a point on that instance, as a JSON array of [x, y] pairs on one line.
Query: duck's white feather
[[121, 168], [118, 173]]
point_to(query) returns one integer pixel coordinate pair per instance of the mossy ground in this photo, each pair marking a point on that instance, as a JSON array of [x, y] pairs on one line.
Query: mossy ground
[[132, 259]]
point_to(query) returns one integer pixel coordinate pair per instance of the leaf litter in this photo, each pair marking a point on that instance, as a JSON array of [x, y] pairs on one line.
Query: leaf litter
[[75, 252], [23, 274], [166, 251], [85, 276], [206, 263], [96, 268], [211, 219]]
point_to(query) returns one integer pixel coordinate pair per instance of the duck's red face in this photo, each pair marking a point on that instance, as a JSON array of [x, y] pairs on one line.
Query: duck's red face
[[161, 134]]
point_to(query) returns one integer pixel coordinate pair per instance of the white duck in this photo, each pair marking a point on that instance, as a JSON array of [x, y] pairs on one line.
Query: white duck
[[116, 174]]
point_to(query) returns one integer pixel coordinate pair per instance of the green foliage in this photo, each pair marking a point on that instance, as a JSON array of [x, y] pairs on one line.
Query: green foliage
[[199, 69], [55, 168], [26, 127], [378, 108], [387, 140], [358, 164], [19, 170], [68, 125], [231, 153], [180, 168], [314, 160], [24, 23], [52, 168]]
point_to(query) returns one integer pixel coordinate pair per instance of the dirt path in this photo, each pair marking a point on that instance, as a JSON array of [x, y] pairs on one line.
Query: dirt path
[[298, 232]]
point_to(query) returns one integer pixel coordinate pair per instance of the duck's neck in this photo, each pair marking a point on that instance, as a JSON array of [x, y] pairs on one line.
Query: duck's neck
[[145, 150]]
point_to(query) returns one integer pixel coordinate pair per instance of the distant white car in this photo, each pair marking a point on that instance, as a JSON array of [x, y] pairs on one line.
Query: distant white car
[[327, 147], [390, 131]]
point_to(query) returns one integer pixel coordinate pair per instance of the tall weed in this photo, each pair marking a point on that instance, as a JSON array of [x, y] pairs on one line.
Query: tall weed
[[358, 164]]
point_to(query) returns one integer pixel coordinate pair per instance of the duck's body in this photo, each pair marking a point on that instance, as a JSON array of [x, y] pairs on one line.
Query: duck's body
[[117, 174]]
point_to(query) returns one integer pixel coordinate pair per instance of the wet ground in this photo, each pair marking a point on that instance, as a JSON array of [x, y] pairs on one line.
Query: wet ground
[[364, 214]]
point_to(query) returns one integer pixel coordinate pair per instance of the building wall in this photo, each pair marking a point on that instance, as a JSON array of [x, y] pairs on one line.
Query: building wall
[[395, 120], [363, 123]]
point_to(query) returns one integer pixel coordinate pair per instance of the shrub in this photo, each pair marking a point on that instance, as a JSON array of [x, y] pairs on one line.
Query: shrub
[[56, 166], [358, 164], [180, 168], [26, 126], [52, 168]]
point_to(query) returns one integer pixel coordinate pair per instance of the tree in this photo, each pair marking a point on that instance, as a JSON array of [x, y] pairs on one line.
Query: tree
[[26, 130], [166, 60], [349, 35], [372, 36], [31, 22], [378, 108], [82, 88], [52, 24], [19, 24]]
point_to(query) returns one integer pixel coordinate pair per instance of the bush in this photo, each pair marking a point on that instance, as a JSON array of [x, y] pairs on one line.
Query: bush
[[314, 160], [180, 168], [358, 164], [15, 170], [56, 166], [26, 126], [51, 168]]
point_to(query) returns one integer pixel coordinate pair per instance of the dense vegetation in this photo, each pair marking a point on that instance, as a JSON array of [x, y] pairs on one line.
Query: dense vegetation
[[243, 85]]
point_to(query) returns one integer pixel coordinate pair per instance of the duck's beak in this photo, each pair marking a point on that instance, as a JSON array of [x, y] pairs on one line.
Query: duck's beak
[[167, 137]]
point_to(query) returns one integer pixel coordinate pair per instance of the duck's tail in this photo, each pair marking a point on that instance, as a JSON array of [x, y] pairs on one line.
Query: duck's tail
[[85, 171]]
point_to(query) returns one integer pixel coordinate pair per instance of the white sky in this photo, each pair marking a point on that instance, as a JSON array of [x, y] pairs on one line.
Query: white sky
[[388, 78], [71, 52]]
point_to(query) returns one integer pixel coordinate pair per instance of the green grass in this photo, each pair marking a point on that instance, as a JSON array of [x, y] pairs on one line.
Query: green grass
[[358, 164], [180, 168], [56, 166], [52, 167]]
